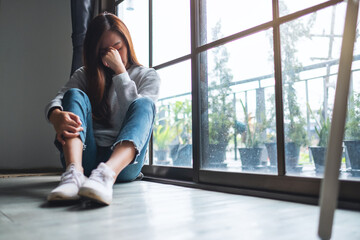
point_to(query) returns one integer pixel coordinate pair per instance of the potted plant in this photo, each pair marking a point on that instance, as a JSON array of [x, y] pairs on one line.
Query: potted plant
[[352, 134], [221, 108], [220, 124], [271, 148], [250, 154], [295, 134], [322, 129], [163, 135], [175, 110], [294, 122], [181, 152], [270, 143]]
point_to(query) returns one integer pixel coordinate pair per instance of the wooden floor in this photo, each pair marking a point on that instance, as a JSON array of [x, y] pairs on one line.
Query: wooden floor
[[146, 210]]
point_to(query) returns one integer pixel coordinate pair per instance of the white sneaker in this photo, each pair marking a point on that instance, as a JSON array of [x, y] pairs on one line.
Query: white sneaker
[[70, 183], [99, 186]]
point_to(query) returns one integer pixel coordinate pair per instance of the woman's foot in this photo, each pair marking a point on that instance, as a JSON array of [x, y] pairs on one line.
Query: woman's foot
[[70, 183], [99, 186]]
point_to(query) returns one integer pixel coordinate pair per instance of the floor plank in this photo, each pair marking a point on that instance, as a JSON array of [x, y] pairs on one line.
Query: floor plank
[[146, 210]]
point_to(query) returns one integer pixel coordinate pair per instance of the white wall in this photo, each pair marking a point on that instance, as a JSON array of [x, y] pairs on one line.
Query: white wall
[[35, 61]]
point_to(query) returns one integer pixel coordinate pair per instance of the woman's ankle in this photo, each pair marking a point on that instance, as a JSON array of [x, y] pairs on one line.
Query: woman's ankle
[[77, 166]]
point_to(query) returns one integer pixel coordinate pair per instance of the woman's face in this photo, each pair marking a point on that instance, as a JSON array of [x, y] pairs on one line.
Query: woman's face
[[113, 39]]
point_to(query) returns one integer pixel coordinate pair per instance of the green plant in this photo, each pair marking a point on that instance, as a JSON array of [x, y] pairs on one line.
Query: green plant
[[352, 131], [322, 127], [163, 132], [270, 122], [294, 128], [253, 129], [163, 135], [291, 33], [294, 120], [182, 120], [220, 118], [221, 114]]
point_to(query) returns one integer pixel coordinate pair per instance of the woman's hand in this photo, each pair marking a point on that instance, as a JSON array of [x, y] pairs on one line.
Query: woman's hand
[[66, 124], [112, 59]]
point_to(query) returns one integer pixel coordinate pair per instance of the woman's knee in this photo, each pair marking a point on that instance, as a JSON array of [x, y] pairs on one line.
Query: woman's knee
[[75, 93], [145, 102]]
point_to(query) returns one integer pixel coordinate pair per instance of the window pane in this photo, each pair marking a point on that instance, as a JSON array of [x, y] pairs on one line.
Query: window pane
[[171, 30], [291, 6], [238, 113], [310, 48], [172, 134], [135, 15], [234, 16], [351, 159]]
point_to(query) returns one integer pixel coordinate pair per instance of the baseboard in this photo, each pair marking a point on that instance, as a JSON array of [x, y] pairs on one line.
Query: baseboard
[[5, 173]]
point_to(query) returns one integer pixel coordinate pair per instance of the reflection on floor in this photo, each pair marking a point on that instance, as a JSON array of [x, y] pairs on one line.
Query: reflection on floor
[[146, 210]]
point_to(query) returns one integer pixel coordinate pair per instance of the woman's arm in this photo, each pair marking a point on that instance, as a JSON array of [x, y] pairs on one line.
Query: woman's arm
[[66, 124], [145, 82], [148, 84], [77, 80]]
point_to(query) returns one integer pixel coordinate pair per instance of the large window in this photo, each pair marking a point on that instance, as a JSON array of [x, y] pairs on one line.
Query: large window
[[247, 91], [136, 15], [238, 95]]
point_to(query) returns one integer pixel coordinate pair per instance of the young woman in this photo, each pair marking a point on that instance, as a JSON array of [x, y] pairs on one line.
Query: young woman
[[104, 114]]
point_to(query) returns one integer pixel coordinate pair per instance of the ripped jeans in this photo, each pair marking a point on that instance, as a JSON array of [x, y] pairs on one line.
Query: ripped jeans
[[136, 127]]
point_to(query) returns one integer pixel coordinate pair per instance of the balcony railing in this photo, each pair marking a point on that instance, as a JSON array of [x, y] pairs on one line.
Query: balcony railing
[[263, 87]]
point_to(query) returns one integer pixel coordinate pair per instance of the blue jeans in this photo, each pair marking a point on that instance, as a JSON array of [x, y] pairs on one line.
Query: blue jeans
[[136, 127]]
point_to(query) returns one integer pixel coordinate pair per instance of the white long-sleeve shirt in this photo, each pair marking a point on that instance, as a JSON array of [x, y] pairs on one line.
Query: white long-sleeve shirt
[[137, 82]]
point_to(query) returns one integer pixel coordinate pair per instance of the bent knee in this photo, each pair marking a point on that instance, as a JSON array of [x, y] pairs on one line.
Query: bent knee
[[145, 102], [75, 92]]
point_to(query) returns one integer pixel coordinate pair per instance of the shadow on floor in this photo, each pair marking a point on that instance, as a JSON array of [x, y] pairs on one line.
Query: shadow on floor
[[27, 190], [76, 205], [36, 190]]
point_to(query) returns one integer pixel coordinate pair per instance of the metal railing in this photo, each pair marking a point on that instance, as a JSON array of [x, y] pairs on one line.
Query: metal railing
[[327, 64]]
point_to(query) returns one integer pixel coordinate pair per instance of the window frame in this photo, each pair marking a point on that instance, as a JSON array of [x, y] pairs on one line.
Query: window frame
[[280, 186]]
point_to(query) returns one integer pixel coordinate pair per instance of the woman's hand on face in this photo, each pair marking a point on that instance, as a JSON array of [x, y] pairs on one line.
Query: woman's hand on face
[[112, 59], [66, 124]]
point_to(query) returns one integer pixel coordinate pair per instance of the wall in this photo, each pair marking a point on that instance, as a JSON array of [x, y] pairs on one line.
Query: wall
[[35, 61]]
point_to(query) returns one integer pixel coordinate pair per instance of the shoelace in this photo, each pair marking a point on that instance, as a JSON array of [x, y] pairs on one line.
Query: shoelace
[[70, 176], [100, 176]]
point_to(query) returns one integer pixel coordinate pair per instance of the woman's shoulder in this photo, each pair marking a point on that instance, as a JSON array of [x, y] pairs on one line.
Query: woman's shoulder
[[79, 75], [78, 79], [79, 72], [142, 71], [141, 68]]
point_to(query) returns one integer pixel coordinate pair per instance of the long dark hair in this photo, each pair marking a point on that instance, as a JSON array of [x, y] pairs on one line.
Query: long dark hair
[[99, 77]]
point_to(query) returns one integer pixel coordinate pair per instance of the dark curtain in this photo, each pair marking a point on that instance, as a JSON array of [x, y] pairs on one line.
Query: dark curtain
[[82, 11]]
